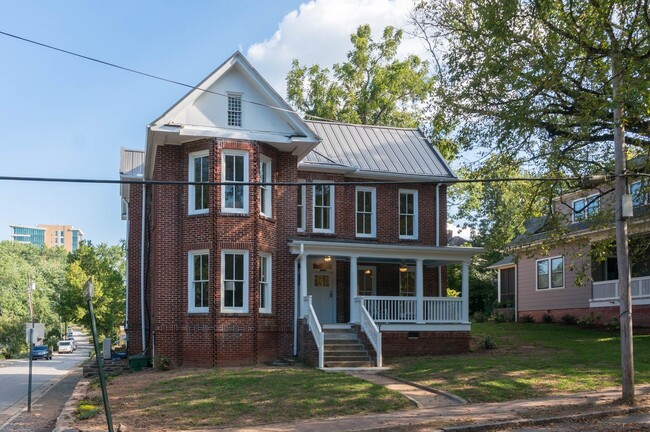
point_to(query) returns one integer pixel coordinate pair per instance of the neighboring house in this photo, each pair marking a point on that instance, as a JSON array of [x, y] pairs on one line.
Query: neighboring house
[[573, 270], [65, 236], [235, 272]]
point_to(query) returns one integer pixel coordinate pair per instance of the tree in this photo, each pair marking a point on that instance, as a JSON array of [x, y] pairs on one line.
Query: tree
[[372, 87], [562, 83]]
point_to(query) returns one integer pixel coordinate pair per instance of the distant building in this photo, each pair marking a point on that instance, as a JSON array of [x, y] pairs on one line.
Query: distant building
[[65, 236]]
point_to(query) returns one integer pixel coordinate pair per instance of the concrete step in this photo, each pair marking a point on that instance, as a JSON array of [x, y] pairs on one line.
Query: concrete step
[[344, 348], [357, 357], [348, 364], [341, 336]]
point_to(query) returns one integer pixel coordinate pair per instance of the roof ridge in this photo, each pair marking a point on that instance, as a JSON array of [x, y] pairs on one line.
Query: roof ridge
[[361, 125]]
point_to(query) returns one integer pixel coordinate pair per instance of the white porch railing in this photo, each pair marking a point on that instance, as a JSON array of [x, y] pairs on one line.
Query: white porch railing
[[608, 290], [371, 330], [403, 309], [316, 330]]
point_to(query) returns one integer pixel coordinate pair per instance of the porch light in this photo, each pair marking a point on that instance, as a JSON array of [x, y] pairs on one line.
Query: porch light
[[368, 271], [403, 268], [328, 258]]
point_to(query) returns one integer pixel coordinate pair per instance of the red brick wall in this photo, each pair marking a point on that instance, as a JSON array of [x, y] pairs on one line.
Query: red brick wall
[[397, 344]]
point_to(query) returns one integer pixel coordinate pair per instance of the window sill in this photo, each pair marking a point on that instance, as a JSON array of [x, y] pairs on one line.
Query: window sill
[[267, 218], [234, 314], [233, 214], [193, 215], [198, 313]]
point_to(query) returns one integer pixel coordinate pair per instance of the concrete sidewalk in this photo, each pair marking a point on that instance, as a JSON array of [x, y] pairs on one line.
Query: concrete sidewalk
[[452, 416]]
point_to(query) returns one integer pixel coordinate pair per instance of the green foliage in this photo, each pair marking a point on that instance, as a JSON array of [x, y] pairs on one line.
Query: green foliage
[[569, 319], [162, 362], [482, 285], [590, 319], [452, 293], [478, 317], [371, 87], [547, 318], [527, 319], [87, 409], [487, 343]]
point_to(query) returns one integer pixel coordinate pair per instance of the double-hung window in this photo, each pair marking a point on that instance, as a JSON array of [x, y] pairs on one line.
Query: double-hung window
[[407, 282], [198, 267], [366, 212], [585, 207], [198, 172], [301, 208], [234, 110], [265, 282], [323, 208], [234, 281], [266, 191], [550, 273], [639, 193], [408, 214], [234, 197]]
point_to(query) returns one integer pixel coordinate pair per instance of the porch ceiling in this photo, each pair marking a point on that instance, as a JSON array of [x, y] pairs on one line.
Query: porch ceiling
[[436, 255]]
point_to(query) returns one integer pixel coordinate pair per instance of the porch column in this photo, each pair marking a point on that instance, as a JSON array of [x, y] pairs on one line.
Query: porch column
[[303, 285], [465, 291], [353, 289], [419, 292]]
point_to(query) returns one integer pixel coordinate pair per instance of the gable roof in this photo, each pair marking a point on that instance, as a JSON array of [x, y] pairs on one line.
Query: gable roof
[[289, 132], [375, 151]]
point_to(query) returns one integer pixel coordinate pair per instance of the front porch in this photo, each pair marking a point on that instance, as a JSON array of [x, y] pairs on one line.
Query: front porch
[[394, 294], [606, 293]]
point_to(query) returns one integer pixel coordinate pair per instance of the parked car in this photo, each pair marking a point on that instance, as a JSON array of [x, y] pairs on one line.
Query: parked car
[[65, 346], [41, 352], [73, 341]]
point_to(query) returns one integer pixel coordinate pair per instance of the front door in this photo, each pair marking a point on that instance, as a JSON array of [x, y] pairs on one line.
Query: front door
[[322, 288]]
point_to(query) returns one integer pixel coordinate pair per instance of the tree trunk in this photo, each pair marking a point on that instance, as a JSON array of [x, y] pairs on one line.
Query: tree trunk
[[622, 253]]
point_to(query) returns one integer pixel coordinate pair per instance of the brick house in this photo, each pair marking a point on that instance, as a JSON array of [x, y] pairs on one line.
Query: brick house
[[341, 260], [574, 272]]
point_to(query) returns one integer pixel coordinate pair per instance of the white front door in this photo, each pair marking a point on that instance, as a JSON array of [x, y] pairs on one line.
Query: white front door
[[322, 289]]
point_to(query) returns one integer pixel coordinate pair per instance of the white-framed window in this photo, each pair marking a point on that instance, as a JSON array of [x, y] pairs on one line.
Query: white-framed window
[[234, 109], [407, 282], [323, 199], [366, 280], [366, 212], [198, 278], [234, 168], [266, 191], [640, 195], [234, 281], [301, 208], [585, 207], [199, 163], [408, 214], [550, 273], [266, 265]]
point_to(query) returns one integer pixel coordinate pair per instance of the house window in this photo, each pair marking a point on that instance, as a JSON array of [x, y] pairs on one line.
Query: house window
[[301, 208], [234, 197], [198, 280], [234, 110], [408, 214], [324, 208], [266, 203], [585, 207], [639, 193], [265, 283], [234, 277], [366, 212], [407, 282], [198, 172], [550, 273], [366, 281]]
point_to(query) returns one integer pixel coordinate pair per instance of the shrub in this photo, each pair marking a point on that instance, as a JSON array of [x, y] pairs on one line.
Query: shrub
[[547, 318], [162, 362], [613, 324], [569, 319], [478, 317], [487, 343], [499, 317], [589, 320], [87, 409], [527, 319]]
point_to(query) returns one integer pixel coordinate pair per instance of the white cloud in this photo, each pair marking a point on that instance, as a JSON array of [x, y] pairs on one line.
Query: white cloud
[[319, 33]]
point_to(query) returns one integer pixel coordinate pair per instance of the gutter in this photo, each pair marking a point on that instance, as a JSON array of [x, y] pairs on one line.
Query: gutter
[[142, 234]]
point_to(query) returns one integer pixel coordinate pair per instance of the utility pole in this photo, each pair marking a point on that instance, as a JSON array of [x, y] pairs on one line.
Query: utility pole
[[622, 251], [31, 286]]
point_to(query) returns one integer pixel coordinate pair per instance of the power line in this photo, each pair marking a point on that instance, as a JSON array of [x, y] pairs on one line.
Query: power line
[[332, 183]]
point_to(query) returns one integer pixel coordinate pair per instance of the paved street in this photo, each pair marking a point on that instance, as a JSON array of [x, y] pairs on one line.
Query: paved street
[[46, 373]]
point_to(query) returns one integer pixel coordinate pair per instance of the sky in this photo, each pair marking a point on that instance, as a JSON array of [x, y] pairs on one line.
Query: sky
[[62, 116]]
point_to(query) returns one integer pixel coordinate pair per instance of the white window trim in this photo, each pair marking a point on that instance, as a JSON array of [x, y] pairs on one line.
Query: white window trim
[[268, 191], [373, 215], [190, 177], [269, 284], [190, 281], [585, 214], [304, 207], [332, 211], [415, 213], [550, 274], [243, 153], [244, 308], [241, 108]]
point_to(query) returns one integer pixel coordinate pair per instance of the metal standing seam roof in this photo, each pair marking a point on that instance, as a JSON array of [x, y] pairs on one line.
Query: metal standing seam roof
[[377, 149], [131, 163]]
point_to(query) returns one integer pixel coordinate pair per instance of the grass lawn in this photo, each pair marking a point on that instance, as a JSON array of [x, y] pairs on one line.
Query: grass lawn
[[194, 398], [531, 360]]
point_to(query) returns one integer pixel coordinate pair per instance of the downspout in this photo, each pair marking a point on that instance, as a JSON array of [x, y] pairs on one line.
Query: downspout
[[296, 289], [438, 236], [142, 233], [126, 276]]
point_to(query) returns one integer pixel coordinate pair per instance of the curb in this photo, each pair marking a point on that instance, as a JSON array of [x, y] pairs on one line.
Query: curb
[[66, 419], [497, 425], [457, 399]]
